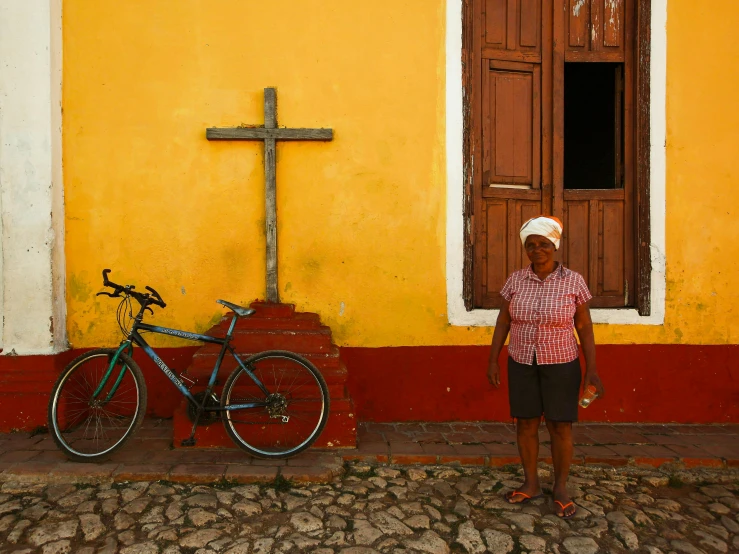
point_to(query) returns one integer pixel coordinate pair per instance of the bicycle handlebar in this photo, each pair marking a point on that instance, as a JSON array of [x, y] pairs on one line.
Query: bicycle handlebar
[[143, 298], [157, 296]]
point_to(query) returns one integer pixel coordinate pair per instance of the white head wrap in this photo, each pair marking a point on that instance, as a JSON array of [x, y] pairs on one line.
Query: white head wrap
[[549, 227]]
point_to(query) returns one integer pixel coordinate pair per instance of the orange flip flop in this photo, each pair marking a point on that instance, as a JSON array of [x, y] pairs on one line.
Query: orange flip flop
[[526, 498], [563, 507]]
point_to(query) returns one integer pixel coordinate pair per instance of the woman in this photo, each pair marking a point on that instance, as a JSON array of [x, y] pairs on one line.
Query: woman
[[542, 305]]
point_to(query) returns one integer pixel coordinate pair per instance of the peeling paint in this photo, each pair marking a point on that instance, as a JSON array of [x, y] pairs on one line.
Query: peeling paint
[[613, 6], [577, 6]]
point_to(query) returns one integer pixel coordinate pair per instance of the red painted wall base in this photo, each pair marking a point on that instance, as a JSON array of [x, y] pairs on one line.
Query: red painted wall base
[[26, 381], [644, 383]]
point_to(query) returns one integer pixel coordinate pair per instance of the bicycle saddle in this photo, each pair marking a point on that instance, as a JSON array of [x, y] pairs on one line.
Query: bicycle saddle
[[238, 310]]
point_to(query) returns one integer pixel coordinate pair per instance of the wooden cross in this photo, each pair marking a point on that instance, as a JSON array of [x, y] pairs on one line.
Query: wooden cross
[[270, 134]]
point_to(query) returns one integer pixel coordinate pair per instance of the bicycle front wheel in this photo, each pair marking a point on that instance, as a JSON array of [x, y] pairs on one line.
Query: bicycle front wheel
[[290, 414], [90, 417]]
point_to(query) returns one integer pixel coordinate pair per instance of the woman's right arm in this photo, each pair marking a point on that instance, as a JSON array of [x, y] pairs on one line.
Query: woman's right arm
[[502, 327]]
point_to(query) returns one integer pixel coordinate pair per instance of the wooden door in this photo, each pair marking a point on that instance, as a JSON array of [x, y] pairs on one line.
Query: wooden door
[[598, 240], [517, 55], [507, 111]]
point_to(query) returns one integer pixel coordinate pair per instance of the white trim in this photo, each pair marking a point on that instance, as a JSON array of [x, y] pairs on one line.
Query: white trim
[[458, 314], [31, 200], [58, 259]]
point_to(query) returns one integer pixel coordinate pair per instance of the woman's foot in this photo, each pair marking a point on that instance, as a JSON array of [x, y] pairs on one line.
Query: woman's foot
[[564, 507], [523, 494]]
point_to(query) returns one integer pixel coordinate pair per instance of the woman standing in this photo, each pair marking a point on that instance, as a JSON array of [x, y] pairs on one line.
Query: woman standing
[[542, 305]]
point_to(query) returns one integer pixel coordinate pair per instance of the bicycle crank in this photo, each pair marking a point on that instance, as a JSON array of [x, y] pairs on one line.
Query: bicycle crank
[[206, 418]]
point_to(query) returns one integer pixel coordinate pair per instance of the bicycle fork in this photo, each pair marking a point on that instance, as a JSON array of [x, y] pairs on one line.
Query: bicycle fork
[[126, 347], [190, 441]]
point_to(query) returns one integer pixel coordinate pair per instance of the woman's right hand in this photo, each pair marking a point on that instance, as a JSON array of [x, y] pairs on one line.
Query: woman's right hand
[[502, 326], [494, 373]]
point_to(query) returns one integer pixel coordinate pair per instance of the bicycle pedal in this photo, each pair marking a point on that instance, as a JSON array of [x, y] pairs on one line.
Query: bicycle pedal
[[188, 442]]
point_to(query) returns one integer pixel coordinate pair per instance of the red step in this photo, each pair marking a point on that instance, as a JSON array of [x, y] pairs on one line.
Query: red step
[[301, 341], [298, 321], [340, 430], [335, 377], [272, 327], [272, 310], [203, 363]]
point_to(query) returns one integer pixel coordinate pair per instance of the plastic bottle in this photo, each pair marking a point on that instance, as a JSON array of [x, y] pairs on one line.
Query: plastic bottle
[[588, 396]]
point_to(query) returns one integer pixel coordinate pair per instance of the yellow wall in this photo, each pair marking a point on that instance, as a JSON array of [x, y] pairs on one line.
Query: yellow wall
[[361, 219]]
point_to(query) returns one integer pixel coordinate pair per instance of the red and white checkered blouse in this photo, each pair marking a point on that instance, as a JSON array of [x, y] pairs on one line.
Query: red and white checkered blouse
[[542, 314]]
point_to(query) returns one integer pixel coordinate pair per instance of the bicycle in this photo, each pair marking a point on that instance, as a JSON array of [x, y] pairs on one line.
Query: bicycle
[[273, 405]]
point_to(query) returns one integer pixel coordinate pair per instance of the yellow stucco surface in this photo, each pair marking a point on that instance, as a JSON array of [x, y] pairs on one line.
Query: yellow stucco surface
[[361, 219]]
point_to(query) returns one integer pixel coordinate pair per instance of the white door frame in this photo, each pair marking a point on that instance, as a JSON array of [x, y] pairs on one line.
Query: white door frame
[[457, 313]]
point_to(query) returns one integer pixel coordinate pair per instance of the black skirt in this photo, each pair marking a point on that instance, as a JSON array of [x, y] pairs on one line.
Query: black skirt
[[549, 389]]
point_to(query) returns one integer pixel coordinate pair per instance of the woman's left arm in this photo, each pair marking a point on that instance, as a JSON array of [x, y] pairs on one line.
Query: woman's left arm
[[584, 328]]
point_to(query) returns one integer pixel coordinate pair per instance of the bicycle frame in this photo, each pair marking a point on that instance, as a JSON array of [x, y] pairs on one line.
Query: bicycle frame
[[135, 337]]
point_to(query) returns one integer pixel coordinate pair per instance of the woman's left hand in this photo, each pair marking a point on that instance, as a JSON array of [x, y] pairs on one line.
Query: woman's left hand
[[592, 378]]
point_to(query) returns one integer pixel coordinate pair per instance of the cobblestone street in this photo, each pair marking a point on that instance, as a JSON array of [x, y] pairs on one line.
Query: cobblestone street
[[378, 508]]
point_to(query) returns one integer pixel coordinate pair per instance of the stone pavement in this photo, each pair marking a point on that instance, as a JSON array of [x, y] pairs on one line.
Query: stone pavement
[[434, 509], [149, 454]]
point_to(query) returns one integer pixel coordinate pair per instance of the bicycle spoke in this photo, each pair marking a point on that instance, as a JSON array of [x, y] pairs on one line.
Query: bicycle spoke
[[295, 392], [87, 426]]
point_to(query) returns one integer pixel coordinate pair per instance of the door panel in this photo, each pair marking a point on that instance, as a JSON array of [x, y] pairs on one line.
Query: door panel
[[496, 24], [593, 245], [498, 249], [512, 30], [576, 237], [578, 19], [594, 29], [495, 247], [511, 116]]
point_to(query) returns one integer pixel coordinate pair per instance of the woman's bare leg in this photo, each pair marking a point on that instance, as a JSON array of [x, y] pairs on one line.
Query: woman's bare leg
[[527, 436], [561, 433]]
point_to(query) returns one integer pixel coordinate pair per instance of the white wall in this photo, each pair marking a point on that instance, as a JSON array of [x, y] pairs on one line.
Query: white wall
[[458, 314], [32, 299]]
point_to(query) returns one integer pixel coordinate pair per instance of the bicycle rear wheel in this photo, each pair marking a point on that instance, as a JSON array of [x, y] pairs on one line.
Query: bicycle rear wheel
[[89, 427], [293, 413]]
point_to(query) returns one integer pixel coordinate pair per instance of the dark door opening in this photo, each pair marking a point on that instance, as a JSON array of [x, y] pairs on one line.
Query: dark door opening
[[593, 115]]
